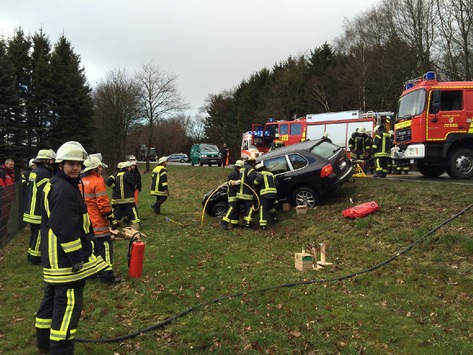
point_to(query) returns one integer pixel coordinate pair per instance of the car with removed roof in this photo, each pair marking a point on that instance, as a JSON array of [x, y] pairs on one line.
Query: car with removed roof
[[178, 157], [307, 172]]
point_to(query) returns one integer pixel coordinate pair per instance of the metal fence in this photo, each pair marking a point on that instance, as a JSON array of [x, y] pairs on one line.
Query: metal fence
[[12, 200]]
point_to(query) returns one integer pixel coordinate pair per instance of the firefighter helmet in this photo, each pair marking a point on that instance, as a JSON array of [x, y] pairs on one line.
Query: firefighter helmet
[[30, 163], [71, 151], [162, 160], [91, 163], [44, 154], [238, 164], [361, 130], [276, 135]]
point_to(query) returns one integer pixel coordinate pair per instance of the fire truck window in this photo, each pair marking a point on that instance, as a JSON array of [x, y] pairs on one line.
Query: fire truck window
[[451, 101], [283, 129], [296, 129]]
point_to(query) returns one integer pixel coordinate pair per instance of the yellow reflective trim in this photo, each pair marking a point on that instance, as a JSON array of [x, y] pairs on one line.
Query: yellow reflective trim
[[43, 323], [71, 246], [71, 301]]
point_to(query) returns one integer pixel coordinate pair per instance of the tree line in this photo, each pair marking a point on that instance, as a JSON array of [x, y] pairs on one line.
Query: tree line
[[45, 99], [365, 68]]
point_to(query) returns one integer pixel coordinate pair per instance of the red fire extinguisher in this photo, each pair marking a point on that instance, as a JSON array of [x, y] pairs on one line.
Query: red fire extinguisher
[[136, 253]]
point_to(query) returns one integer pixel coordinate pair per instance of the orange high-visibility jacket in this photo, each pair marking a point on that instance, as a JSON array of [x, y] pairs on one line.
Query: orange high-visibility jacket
[[98, 203]]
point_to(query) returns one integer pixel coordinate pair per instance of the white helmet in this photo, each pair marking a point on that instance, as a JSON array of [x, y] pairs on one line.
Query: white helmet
[[30, 163], [239, 163], [91, 163], [71, 151], [45, 154], [276, 135], [162, 160], [361, 130], [99, 155]]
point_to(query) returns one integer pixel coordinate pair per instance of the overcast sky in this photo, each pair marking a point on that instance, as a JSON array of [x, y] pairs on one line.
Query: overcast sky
[[210, 45]]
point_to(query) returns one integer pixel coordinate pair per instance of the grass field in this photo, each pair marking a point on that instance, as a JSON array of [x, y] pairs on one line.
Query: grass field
[[239, 289]]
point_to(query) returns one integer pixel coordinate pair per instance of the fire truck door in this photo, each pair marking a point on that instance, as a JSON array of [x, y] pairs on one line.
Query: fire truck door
[[450, 118]]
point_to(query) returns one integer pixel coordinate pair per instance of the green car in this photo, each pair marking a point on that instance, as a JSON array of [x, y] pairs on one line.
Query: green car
[[205, 153]]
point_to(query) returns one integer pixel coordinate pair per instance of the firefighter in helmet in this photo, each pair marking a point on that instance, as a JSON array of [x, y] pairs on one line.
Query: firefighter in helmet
[[68, 256], [37, 179], [381, 150], [159, 184], [123, 196], [101, 215], [232, 216], [266, 185], [277, 142], [245, 192]]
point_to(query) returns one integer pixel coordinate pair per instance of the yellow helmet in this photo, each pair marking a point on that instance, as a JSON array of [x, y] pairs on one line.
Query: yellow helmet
[[71, 151], [45, 154]]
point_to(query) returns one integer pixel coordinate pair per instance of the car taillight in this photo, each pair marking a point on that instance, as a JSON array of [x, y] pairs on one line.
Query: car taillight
[[327, 170]]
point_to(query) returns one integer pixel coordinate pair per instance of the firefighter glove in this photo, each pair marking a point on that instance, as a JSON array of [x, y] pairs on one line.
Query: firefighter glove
[[77, 266], [236, 182]]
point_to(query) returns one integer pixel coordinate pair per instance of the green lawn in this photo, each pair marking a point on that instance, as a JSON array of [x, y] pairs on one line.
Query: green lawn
[[419, 303]]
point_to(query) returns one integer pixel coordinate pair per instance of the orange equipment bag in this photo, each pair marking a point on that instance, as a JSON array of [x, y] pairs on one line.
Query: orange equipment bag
[[362, 210]]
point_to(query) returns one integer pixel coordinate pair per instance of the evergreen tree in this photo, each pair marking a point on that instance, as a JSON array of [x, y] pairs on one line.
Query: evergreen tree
[[9, 103], [71, 102]]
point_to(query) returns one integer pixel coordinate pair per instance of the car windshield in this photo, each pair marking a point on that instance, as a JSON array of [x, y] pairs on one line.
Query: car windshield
[[411, 104], [208, 148], [325, 149]]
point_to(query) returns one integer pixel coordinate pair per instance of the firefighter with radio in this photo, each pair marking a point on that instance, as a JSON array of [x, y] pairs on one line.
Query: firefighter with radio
[[245, 193], [67, 257], [232, 216], [101, 215], [266, 184], [381, 150], [37, 179], [159, 184]]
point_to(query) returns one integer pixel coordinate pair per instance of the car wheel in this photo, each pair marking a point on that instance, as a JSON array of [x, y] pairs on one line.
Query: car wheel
[[200, 163], [306, 196], [430, 171], [182, 160], [219, 210]]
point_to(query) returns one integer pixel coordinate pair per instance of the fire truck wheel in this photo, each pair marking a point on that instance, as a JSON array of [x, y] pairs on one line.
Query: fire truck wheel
[[430, 171], [460, 164]]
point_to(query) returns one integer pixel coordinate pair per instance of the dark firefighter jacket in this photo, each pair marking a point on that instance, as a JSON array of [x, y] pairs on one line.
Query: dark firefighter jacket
[[66, 233], [247, 177], [159, 181], [381, 144], [38, 178], [232, 188], [267, 185], [124, 190]]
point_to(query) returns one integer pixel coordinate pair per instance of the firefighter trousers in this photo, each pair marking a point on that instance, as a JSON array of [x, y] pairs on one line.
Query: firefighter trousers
[[233, 214], [58, 317], [34, 255], [157, 205], [266, 210]]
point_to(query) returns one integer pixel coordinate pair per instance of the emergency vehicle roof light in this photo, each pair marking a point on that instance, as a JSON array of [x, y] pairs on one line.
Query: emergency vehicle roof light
[[430, 75], [271, 119], [409, 85]]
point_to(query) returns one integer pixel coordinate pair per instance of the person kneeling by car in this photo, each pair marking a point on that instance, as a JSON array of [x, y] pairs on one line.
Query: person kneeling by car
[[233, 214], [266, 184]]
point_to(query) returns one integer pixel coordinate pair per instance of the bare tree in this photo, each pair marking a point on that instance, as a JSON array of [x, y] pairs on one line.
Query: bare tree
[[196, 128], [159, 98], [117, 111]]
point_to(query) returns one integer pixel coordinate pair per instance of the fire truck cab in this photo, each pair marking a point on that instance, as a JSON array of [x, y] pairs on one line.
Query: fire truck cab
[[433, 126]]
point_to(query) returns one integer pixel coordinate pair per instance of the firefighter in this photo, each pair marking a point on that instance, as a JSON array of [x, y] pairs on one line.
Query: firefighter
[[358, 144], [277, 142], [369, 158], [123, 199], [381, 150], [135, 172], [101, 215], [68, 257], [159, 184], [245, 193], [37, 179], [26, 175], [392, 163], [266, 184], [233, 214]]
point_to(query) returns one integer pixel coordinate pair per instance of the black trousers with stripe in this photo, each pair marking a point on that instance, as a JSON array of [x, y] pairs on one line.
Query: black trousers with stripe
[[58, 317]]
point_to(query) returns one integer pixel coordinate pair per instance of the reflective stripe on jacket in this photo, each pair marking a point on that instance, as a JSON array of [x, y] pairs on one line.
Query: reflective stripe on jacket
[[247, 177], [98, 204], [266, 183], [159, 181], [66, 236], [124, 189], [382, 144], [38, 178]]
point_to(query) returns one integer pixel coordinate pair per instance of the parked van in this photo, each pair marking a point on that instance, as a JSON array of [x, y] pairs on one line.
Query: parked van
[[205, 153]]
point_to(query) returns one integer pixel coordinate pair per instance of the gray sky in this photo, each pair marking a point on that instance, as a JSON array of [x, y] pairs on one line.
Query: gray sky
[[211, 45]]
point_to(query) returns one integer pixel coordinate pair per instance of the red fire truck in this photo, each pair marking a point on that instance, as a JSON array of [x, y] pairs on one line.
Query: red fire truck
[[433, 126], [338, 125]]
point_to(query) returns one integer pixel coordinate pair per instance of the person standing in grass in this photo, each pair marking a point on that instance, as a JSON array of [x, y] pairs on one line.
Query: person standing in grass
[[266, 184], [159, 184], [233, 214], [67, 253]]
